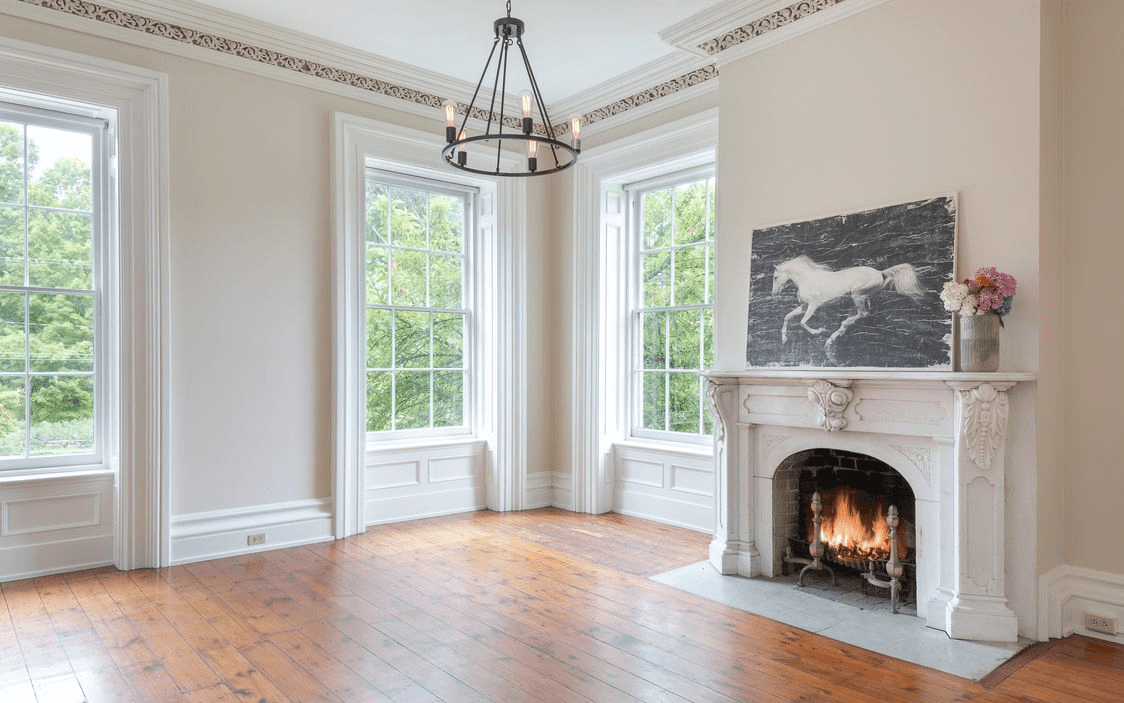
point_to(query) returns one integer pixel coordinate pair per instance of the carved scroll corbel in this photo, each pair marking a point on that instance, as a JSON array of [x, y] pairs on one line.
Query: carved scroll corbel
[[718, 411], [984, 422], [831, 402]]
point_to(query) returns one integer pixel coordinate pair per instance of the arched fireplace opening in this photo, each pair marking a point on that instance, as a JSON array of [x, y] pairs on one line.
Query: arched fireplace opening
[[855, 493]]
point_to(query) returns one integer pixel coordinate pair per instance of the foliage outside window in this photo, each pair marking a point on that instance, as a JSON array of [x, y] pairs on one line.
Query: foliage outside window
[[49, 212], [674, 310], [417, 319]]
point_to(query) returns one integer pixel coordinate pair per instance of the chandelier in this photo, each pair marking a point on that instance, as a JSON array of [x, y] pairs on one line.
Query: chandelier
[[482, 153]]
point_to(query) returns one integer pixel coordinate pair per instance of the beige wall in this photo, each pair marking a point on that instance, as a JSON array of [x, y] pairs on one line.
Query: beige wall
[[1093, 119]]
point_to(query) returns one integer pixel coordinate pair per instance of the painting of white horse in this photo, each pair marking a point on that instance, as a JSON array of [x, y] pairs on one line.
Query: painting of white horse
[[817, 284], [860, 290]]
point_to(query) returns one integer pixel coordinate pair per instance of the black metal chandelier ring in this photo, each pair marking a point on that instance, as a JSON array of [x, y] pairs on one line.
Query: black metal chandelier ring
[[452, 150]]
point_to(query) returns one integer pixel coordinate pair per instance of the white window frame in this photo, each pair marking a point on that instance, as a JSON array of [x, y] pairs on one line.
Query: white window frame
[[100, 124], [634, 333], [471, 353], [498, 352], [137, 99]]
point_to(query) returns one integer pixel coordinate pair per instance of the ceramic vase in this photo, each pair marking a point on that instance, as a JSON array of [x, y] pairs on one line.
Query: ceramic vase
[[979, 343]]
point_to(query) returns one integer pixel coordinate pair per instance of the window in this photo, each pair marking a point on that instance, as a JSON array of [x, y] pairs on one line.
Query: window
[[417, 316], [673, 311], [53, 218]]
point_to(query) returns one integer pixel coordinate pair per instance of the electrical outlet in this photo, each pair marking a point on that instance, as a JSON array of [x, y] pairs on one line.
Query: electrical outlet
[[1100, 623], [258, 538]]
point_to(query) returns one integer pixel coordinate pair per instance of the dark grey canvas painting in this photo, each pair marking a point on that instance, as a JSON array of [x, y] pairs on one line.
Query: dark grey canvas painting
[[855, 291]]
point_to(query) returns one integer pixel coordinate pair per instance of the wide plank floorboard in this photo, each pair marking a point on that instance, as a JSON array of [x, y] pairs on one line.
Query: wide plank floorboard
[[544, 606]]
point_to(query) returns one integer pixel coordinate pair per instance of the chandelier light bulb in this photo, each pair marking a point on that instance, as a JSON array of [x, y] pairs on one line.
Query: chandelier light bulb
[[450, 120], [576, 131]]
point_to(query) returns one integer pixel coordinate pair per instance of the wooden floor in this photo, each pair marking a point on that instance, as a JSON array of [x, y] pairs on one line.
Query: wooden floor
[[536, 606]]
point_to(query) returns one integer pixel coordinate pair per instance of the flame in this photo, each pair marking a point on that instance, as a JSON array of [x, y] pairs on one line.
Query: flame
[[853, 525]]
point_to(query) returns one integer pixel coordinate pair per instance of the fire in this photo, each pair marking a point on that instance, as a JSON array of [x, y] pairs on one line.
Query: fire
[[853, 526]]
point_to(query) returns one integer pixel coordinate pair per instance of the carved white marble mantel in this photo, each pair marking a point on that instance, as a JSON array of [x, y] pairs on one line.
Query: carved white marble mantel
[[944, 432]]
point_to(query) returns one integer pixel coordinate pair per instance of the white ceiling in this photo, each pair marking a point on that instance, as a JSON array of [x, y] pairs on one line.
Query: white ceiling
[[572, 46]]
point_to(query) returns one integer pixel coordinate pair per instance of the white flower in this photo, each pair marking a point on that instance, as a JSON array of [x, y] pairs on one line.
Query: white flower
[[970, 306], [954, 294]]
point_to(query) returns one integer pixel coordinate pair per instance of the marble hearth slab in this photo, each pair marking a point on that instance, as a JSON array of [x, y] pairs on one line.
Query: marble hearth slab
[[900, 636]]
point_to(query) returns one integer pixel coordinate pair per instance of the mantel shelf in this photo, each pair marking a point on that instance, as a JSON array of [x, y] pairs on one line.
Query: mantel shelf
[[748, 375]]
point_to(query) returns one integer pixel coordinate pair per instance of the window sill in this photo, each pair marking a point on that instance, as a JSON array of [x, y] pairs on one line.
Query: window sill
[[42, 477], [422, 443], [701, 451]]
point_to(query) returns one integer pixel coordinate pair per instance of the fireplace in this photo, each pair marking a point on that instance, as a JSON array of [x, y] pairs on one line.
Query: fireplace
[[934, 441], [854, 492]]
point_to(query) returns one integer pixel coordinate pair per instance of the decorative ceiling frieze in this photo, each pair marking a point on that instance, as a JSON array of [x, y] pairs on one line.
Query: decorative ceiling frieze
[[768, 23], [179, 32]]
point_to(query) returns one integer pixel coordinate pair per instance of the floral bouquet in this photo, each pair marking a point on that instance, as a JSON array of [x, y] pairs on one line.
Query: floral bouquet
[[988, 291]]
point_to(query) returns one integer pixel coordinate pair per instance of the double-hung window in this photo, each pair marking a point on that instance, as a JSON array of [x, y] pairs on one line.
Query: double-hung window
[[418, 293], [672, 229], [54, 216]]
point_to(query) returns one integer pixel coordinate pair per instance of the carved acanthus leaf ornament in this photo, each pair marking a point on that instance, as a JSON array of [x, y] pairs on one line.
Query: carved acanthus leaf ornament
[[984, 423]]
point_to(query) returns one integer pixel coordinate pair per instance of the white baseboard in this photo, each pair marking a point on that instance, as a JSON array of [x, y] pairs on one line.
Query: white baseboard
[[60, 556], [385, 510], [223, 533], [540, 490], [1067, 593], [562, 490], [668, 511]]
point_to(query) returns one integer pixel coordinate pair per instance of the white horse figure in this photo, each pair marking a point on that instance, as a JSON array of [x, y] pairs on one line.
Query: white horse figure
[[817, 284]]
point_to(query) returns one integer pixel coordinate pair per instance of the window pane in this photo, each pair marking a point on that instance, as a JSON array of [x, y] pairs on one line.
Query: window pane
[[690, 213], [656, 219], [408, 278], [683, 403], [379, 339], [408, 215], [378, 275], [445, 281], [656, 270], [60, 250], [379, 401], [11, 163], [411, 340], [448, 340], [448, 398], [653, 327], [62, 414], [378, 213], [62, 332], [411, 400], [654, 400], [13, 348], [12, 393], [690, 275], [446, 223], [684, 338], [11, 246], [62, 179]]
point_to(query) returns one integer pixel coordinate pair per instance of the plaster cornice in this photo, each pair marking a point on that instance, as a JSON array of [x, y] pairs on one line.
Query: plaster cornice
[[205, 32]]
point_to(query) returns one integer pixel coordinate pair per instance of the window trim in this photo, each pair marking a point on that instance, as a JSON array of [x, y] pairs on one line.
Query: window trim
[[500, 398], [597, 417], [139, 99]]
